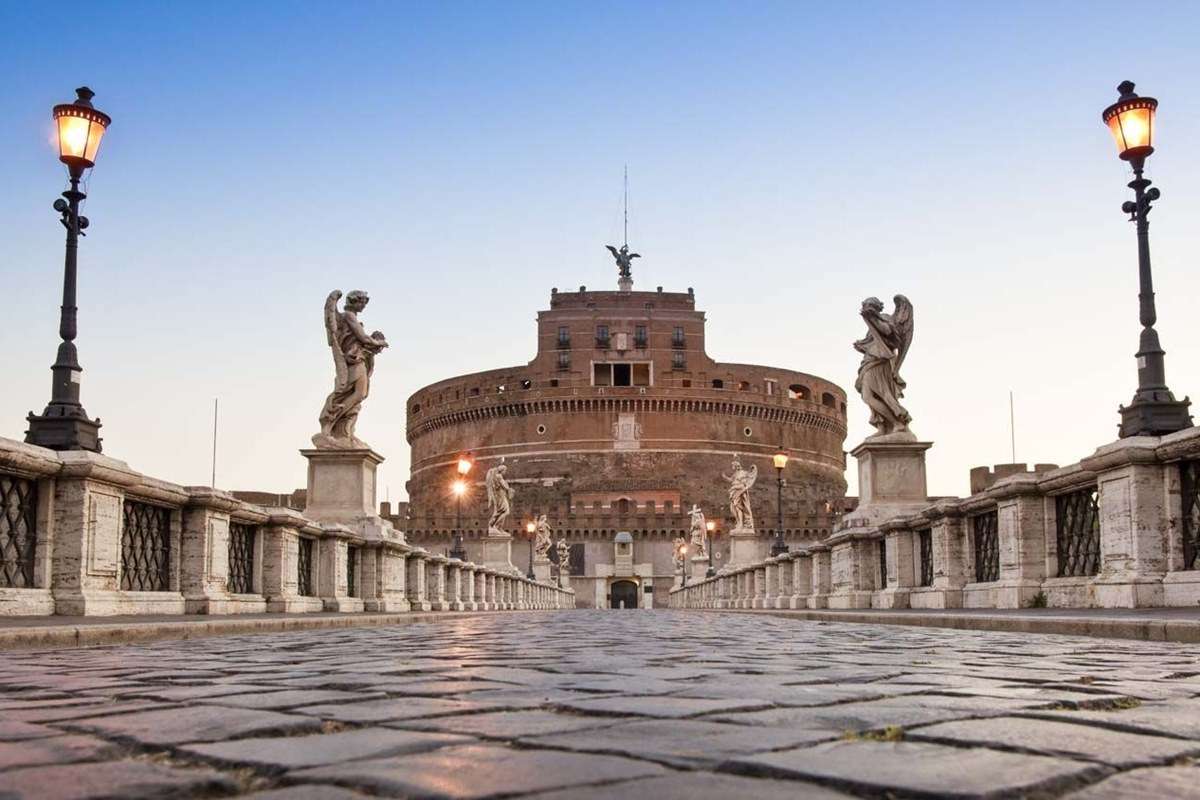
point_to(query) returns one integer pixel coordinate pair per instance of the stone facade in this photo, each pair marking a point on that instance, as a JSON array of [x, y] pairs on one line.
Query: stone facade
[[621, 422]]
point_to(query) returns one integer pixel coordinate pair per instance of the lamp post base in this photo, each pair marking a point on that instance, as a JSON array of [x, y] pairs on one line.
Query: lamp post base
[[1154, 413], [63, 428], [778, 548]]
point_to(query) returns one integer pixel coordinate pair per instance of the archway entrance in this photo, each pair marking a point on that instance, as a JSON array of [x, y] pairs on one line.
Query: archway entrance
[[624, 594]]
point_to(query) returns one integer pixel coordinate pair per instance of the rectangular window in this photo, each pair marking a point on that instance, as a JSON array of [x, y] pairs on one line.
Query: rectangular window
[[564, 337], [677, 339], [770, 386], [622, 375], [602, 375], [639, 336], [641, 374], [564, 361], [575, 562], [602, 337], [678, 361]]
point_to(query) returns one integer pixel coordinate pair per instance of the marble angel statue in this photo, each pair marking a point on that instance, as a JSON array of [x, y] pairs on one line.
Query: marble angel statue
[[354, 354], [883, 350]]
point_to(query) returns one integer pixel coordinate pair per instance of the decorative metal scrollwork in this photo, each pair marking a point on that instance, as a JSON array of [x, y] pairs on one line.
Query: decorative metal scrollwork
[[1078, 533], [18, 531], [987, 547]]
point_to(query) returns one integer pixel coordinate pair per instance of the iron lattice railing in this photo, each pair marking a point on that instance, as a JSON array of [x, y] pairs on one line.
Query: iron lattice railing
[[18, 531], [1078, 533], [987, 547], [145, 548], [241, 558], [925, 552], [352, 571], [304, 563], [1189, 474], [882, 563]]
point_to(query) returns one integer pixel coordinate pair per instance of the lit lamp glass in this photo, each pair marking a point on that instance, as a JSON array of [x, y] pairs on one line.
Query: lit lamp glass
[[530, 528], [1131, 122], [464, 464], [80, 129], [710, 525], [459, 488], [781, 460]]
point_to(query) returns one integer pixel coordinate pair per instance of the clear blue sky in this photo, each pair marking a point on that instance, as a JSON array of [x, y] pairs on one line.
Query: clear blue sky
[[458, 160]]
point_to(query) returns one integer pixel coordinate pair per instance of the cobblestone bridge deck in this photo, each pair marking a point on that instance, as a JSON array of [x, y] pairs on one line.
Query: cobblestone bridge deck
[[605, 704]]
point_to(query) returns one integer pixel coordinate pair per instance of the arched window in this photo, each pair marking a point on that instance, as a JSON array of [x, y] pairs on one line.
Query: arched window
[[799, 392], [743, 386], [828, 400], [416, 409]]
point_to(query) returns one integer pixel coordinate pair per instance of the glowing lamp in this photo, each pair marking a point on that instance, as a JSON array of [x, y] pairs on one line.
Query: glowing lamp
[[464, 464], [530, 527], [459, 488], [1131, 121], [710, 525], [80, 128], [781, 459]]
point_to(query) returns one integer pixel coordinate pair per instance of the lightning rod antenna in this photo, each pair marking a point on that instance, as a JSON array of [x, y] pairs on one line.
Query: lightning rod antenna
[[626, 234]]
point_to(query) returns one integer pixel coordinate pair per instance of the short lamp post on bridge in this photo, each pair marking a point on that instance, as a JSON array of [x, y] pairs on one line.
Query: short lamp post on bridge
[[531, 530], [1154, 410], [64, 425], [710, 528], [459, 488], [778, 548]]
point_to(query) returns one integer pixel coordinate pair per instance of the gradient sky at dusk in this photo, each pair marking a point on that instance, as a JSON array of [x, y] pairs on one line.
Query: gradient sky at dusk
[[457, 160]]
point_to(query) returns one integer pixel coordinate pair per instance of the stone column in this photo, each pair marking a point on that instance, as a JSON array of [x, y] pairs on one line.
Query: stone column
[[468, 586], [418, 596], [281, 555], [948, 537], [1136, 519], [821, 576], [1021, 527], [768, 584], [493, 595], [333, 581], [454, 590], [204, 576], [901, 577], [802, 580], [384, 577], [435, 582]]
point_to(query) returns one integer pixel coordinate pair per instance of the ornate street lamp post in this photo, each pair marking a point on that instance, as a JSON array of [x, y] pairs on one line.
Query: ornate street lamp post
[[710, 527], [64, 425], [460, 488], [531, 529], [1154, 410], [778, 547]]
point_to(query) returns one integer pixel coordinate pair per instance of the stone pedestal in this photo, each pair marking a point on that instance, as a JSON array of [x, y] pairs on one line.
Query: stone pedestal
[[204, 575], [745, 548], [541, 570], [699, 568], [341, 485], [497, 551], [384, 578]]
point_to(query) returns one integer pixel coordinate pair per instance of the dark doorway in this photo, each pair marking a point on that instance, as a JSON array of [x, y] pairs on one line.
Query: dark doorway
[[624, 594]]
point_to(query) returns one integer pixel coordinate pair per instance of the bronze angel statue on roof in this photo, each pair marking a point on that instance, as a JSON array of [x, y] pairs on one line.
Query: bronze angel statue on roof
[[353, 362], [884, 348], [624, 260]]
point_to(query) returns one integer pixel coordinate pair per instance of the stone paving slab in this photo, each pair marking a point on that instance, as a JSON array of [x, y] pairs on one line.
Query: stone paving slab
[[1176, 783], [655, 704]]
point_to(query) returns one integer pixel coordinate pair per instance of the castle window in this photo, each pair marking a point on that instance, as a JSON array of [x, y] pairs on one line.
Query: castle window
[[564, 361], [679, 361], [621, 374], [602, 337], [623, 505], [554, 381], [686, 383], [769, 383], [798, 392], [743, 386], [526, 384], [564, 337], [828, 400], [639, 337], [677, 339], [718, 383], [475, 392], [416, 409]]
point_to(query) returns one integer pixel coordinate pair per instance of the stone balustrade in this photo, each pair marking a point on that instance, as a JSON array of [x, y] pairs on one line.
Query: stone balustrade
[[83, 534], [1119, 529]]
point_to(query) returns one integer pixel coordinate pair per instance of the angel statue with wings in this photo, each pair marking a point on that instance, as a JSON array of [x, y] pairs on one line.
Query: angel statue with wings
[[624, 260], [740, 483], [353, 362], [884, 348], [543, 542], [699, 532], [499, 497]]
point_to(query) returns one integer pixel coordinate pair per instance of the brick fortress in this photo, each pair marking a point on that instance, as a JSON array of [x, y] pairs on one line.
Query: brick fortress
[[621, 422]]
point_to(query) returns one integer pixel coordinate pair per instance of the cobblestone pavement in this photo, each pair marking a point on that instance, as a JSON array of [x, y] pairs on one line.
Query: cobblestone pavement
[[586, 704]]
